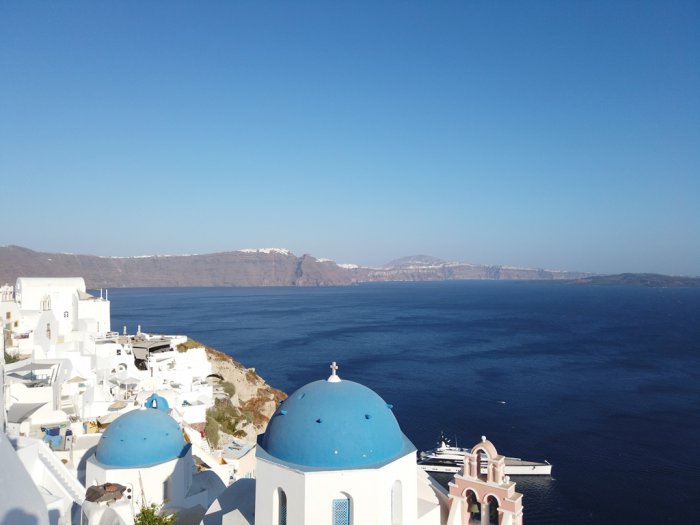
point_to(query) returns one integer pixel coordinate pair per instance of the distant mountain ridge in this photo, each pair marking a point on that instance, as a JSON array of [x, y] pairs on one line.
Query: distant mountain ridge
[[249, 267], [646, 280]]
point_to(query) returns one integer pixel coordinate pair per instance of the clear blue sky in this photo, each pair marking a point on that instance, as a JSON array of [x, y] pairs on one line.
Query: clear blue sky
[[546, 134]]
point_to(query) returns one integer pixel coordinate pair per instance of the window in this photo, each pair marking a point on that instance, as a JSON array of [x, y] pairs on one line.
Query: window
[[280, 507], [8, 315], [65, 314], [341, 511], [283, 508]]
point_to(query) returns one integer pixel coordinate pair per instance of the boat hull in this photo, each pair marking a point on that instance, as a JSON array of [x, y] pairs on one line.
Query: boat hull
[[528, 468]]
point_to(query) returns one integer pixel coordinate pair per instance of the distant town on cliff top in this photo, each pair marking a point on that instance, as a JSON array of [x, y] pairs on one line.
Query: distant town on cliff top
[[280, 267]]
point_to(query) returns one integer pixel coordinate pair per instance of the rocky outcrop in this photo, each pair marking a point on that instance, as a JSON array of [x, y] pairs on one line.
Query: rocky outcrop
[[252, 400]]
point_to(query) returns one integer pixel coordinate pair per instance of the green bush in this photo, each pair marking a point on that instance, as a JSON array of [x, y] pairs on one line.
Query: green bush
[[248, 416], [211, 430], [151, 515], [229, 388], [11, 358], [228, 417], [190, 343]]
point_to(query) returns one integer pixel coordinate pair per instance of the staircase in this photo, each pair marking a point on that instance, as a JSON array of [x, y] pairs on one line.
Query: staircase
[[67, 405], [54, 465]]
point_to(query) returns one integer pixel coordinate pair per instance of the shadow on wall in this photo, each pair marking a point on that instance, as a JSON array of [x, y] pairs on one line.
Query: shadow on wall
[[19, 517], [82, 466], [238, 498]]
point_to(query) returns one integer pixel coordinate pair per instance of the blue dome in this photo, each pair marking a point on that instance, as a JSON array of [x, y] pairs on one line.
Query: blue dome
[[140, 438], [334, 425], [156, 401]]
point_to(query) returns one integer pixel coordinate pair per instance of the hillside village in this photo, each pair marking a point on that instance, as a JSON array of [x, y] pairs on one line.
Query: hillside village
[[68, 376]]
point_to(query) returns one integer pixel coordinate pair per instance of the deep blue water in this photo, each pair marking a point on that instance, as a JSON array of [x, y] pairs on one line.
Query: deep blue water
[[601, 381]]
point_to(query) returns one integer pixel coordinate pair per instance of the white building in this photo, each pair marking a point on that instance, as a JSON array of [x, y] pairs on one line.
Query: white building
[[56, 310], [334, 454]]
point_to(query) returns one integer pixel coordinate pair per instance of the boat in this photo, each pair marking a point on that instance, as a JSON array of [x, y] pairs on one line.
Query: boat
[[450, 458]]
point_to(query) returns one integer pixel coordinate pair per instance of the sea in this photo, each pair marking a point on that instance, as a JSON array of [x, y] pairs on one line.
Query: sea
[[603, 382]]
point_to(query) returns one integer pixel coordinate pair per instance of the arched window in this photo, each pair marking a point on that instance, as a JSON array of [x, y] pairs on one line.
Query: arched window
[[342, 510], [493, 506], [396, 504], [473, 507], [280, 507], [283, 508]]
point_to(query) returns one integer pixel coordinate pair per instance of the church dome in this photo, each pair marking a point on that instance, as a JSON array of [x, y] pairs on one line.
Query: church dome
[[334, 424], [140, 438]]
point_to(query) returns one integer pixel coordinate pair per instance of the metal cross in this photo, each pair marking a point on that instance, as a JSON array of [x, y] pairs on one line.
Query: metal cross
[[334, 368]]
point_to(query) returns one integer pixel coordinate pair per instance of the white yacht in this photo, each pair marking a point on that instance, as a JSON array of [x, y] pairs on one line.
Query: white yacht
[[449, 458]]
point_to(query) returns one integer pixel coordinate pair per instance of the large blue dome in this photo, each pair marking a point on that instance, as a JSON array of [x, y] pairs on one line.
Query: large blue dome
[[140, 438], [334, 425]]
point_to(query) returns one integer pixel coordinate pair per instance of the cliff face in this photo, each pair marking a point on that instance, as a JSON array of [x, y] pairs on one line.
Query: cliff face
[[253, 401], [239, 268], [245, 268]]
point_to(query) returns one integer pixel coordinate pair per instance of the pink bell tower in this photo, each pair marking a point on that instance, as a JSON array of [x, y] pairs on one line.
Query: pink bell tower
[[479, 498]]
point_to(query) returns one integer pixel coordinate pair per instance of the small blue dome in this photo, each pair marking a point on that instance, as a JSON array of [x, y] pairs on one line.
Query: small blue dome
[[158, 402], [334, 425], [140, 438]]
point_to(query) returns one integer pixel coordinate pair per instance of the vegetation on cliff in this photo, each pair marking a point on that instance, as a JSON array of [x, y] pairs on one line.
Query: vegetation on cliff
[[224, 417], [244, 401]]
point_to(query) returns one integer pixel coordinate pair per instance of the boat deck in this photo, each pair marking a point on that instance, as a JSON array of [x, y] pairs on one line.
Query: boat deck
[[523, 463]]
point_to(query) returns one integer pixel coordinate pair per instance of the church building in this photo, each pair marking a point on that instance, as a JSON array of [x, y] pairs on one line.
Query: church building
[[143, 459], [334, 454]]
